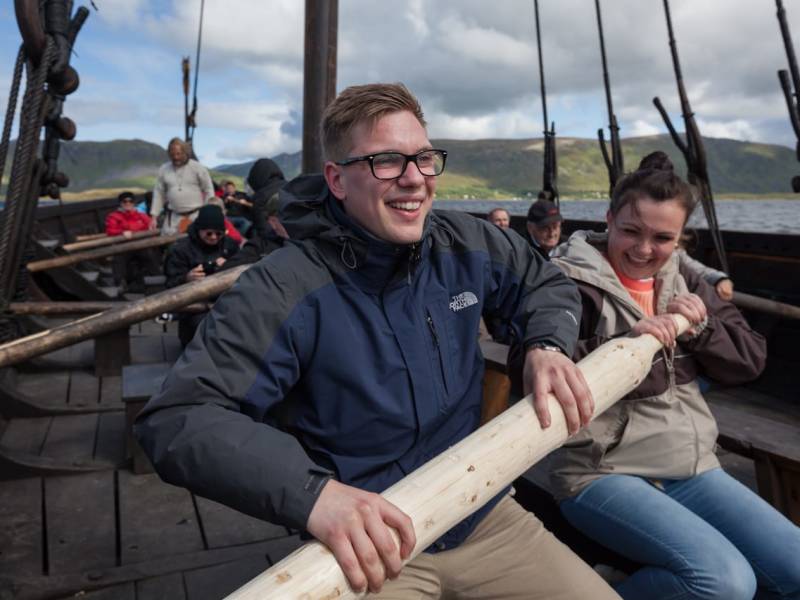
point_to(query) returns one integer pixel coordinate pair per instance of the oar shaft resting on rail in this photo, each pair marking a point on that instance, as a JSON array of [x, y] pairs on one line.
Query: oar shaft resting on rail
[[117, 318], [453, 485]]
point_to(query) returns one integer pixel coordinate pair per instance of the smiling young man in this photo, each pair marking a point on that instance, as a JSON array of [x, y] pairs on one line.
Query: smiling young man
[[349, 357]]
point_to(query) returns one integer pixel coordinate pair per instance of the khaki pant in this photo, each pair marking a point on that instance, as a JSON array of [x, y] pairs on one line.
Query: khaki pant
[[509, 555]]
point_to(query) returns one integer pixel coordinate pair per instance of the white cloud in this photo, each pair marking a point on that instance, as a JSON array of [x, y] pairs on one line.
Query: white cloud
[[640, 128], [738, 129]]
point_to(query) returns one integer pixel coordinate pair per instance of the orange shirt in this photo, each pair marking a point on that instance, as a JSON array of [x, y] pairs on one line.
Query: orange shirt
[[642, 291]]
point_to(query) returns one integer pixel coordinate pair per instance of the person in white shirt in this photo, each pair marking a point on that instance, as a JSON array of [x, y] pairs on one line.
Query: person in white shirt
[[182, 187]]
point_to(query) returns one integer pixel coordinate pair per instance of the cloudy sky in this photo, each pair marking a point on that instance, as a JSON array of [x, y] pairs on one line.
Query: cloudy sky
[[471, 62]]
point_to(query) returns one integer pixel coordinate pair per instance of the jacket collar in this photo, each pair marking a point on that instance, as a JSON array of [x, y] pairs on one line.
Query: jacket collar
[[310, 211]]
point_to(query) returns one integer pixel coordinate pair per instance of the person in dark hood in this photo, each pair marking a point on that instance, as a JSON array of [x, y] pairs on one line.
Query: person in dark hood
[[201, 253], [265, 179]]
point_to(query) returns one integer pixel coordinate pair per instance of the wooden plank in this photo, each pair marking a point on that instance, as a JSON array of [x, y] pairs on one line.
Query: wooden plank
[[224, 526], [110, 443], [141, 381], [84, 389], [172, 347], [21, 527], [26, 435], [744, 430], [71, 437], [156, 519], [213, 583], [62, 586], [150, 327], [757, 403], [738, 467], [167, 587], [111, 352], [47, 389], [111, 389], [126, 591], [81, 522], [146, 349]]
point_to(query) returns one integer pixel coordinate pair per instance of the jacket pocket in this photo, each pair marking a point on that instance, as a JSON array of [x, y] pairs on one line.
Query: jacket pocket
[[442, 352]]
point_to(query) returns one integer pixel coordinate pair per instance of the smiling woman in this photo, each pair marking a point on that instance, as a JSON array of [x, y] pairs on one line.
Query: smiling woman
[[642, 478]]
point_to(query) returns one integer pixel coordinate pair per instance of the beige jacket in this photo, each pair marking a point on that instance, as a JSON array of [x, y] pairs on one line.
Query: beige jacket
[[663, 429]]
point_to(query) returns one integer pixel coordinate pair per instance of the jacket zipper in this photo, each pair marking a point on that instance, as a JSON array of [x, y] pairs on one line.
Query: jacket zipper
[[435, 337], [669, 360]]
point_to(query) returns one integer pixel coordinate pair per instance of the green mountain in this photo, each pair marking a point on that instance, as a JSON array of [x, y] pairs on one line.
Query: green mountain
[[513, 168], [112, 166], [475, 168]]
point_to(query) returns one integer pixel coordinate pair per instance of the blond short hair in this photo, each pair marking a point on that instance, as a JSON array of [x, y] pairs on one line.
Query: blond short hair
[[363, 104]]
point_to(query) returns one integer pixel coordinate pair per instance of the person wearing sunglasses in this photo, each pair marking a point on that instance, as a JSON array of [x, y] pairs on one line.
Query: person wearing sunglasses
[[349, 357], [200, 254]]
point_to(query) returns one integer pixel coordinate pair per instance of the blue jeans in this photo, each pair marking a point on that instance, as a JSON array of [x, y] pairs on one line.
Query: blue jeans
[[704, 537]]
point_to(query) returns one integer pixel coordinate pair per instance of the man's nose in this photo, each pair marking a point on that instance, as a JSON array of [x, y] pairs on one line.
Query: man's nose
[[411, 175]]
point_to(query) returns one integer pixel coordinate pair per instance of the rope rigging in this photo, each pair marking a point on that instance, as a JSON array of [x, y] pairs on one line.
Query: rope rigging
[[48, 34], [191, 122]]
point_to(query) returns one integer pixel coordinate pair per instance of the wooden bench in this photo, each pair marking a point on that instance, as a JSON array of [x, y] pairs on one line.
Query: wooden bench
[[763, 429], [139, 383]]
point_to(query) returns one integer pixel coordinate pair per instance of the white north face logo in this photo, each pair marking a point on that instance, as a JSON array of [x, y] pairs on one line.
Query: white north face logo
[[462, 300]]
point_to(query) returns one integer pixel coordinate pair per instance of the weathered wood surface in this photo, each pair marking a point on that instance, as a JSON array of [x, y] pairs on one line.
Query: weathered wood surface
[[72, 259], [224, 526], [81, 529], [21, 527], [765, 305], [53, 308], [108, 240], [157, 521], [111, 320], [462, 479]]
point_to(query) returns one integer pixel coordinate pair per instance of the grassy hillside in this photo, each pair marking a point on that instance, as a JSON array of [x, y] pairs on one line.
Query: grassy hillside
[[475, 168]]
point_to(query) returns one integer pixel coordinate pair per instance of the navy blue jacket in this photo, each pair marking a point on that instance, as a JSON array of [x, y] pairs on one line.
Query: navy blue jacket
[[343, 354]]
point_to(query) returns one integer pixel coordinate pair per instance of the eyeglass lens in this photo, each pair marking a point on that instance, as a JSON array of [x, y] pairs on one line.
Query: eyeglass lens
[[390, 165]]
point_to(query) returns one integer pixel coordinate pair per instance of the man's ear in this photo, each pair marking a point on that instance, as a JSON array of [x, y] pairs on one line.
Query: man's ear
[[334, 177]]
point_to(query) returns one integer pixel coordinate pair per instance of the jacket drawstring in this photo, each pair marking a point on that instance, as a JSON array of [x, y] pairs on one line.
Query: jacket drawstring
[[348, 255]]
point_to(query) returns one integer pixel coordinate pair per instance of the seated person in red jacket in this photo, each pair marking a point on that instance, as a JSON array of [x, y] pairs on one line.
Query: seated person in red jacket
[[130, 268]]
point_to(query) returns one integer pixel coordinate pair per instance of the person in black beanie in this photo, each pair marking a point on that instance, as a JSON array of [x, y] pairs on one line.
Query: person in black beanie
[[201, 253]]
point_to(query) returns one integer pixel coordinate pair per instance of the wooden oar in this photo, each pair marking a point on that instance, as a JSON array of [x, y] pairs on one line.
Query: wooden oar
[[50, 308], [456, 483], [765, 305], [64, 261], [89, 236], [108, 240], [117, 318]]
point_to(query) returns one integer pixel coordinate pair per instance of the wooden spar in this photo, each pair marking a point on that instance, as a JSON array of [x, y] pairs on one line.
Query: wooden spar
[[765, 305], [319, 79], [63, 261], [86, 308], [462, 479], [89, 236], [111, 320], [108, 240]]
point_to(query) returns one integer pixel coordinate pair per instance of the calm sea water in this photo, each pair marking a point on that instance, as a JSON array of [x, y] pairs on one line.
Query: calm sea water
[[774, 216]]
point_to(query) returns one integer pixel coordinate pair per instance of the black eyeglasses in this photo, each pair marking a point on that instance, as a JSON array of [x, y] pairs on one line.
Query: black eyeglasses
[[391, 165]]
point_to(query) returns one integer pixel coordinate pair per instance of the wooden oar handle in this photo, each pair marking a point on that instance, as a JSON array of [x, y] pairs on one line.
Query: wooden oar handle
[[447, 489]]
